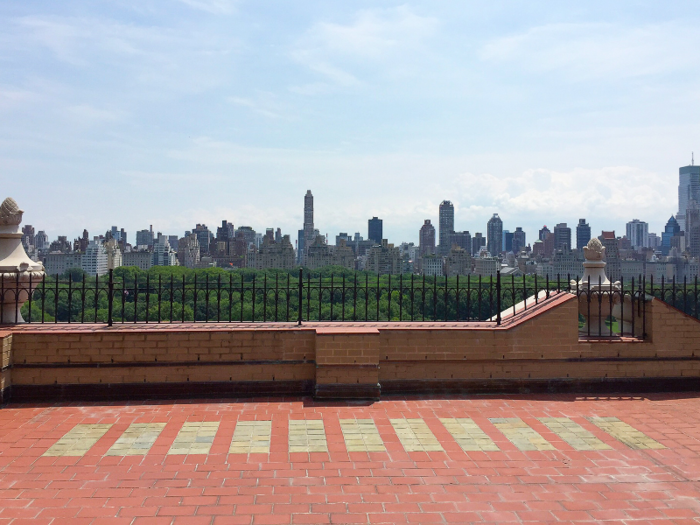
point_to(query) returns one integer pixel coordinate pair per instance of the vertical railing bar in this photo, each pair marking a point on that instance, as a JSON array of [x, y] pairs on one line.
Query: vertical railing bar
[[423, 300], [184, 296], [110, 297], [148, 296], [300, 296], [172, 288], [70, 296], [43, 296], [55, 311], [30, 294], [498, 297], [160, 295], [136, 296], [206, 298], [366, 297], [253, 298], [194, 301], [230, 297]]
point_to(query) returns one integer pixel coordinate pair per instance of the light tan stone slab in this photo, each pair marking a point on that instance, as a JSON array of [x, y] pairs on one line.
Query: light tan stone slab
[[574, 434], [78, 440], [520, 434], [307, 436], [361, 435], [468, 435], [251, 437], [415, 436], [136, 440], [625, 433], [195, 438]]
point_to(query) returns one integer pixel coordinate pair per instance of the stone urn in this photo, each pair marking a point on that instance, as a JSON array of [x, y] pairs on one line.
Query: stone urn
[[19, 275], [596, 288]]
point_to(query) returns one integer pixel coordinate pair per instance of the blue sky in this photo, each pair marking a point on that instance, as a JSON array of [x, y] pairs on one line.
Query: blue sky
[[182, 111]]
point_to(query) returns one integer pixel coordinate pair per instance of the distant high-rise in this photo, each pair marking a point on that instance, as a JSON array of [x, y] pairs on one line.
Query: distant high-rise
[[507, 241], [309, 234], [638, 234], [542, 235], [518, 240], [426, 239], [494, 235], [671, 230], [562, 237], [688, 189], [478, 241], [374, 230], [447, 226], [583, 234], [461, 239]]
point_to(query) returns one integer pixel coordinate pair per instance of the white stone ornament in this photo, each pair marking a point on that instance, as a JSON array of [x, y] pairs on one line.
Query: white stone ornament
[[604, 295], [19, 275]]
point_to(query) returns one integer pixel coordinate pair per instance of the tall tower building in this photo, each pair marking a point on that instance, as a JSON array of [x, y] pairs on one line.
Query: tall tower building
[[583, 234], [562, 237], [518, 240], [494, 235], [688, 189], [447, 226], [638, 234], [375, 230], [426, 239], [542, 234], [308, 220]]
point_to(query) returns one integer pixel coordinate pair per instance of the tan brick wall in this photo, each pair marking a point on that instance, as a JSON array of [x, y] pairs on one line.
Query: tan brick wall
[[544, 346], [5, 362], [347, 374]]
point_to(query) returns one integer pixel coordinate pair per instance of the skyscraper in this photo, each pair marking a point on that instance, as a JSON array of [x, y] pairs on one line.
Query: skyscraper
[[447, 226], [688, 189], [374, 230], [542, 235], [583, 234], [518, 240], [671, 230], [638, 234], [562, 237], [426, 239], [309, 233], [494, 235]]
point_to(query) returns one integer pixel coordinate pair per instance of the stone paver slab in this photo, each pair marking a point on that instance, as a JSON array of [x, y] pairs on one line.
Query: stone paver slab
[[625, 433], [251, 437], [469, 435], [195, 438], [78, 440], [136, 440], [307, 436], [415, 436], [361, 435], [520, 434]]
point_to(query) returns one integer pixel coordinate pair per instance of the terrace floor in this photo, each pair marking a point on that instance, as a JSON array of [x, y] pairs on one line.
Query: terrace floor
[[548, 458]]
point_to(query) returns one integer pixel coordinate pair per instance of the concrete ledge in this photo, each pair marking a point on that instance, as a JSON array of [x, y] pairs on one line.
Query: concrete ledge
[[128, 391], [348, 391], [549, 386]]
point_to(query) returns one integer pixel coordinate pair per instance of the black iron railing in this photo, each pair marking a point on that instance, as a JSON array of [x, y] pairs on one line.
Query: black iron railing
[[284, 297]]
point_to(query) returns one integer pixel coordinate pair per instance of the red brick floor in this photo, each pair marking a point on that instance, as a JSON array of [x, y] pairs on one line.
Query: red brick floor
[[563, 485]]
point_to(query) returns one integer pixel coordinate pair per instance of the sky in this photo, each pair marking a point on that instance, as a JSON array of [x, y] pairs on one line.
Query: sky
[[177, 112]]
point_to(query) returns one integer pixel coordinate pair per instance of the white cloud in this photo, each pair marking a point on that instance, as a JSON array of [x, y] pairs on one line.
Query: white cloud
[[598, 50], [217, 7], [264, 106], [377, 38]]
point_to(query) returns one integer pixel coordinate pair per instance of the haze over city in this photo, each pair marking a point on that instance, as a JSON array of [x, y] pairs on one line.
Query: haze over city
[[194, 111]]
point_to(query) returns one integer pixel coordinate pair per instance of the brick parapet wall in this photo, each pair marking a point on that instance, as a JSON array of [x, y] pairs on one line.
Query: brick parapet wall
[[537, 349], [5, 363]]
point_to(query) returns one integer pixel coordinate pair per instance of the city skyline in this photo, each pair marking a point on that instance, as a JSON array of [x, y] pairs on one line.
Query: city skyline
[[173, 113]]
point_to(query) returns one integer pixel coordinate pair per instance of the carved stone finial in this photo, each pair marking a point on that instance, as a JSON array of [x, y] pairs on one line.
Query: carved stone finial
[[594, 250], [10, 214]]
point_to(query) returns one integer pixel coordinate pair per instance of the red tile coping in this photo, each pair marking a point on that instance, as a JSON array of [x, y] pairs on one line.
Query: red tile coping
[[321, 328]]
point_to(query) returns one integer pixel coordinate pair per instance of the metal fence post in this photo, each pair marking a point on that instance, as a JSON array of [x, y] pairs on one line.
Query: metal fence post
[[110, 297], [301, 301], [498, 297]]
